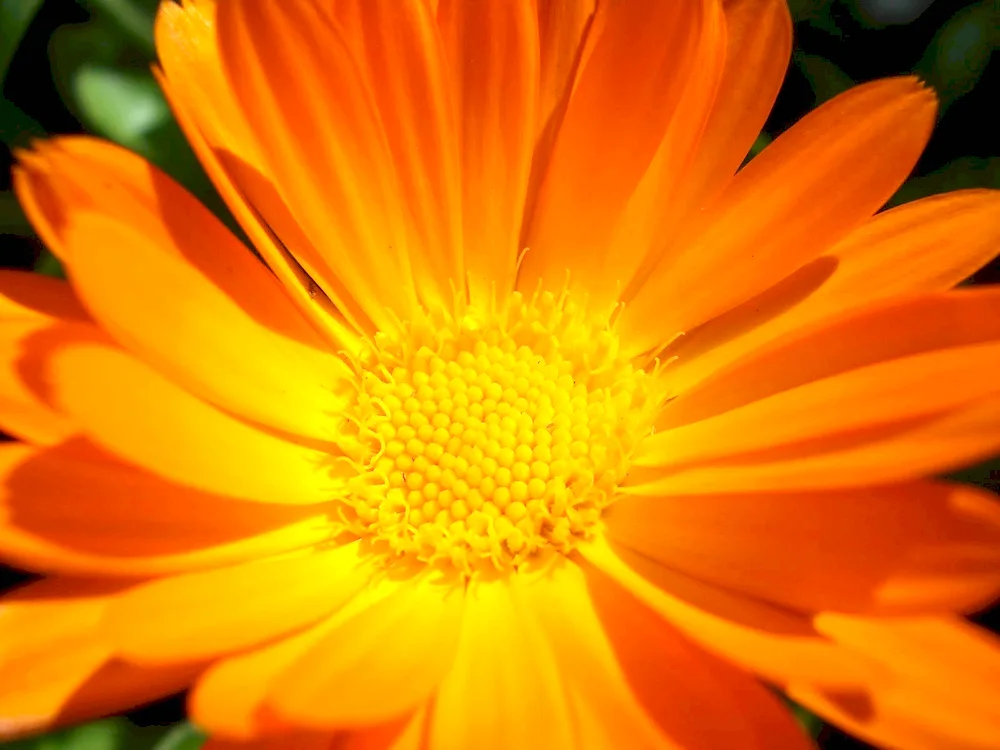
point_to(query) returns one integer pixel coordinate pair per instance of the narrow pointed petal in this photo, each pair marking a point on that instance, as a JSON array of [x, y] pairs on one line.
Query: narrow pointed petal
[[224, 610], [864, 142], [758, 49], [63, 515], [378, 665], [887, 361], [885, 454], [562, 30], [316, 122], [770, 641], [658, 205], [504, 689], [631, 81], [401, 52], [137, 415], [927, 546], [194, 82], [492, 52], [929, 245]]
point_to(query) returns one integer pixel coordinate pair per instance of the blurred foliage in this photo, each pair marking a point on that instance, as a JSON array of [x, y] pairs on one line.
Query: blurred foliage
[[84, 65], [115, 734]]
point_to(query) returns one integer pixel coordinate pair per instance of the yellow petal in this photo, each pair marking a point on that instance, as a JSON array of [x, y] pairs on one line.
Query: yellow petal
[[378, 665], [206, 613], [504, 689], [134, 413]]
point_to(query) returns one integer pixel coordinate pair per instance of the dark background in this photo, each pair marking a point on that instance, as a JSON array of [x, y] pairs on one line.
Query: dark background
[[83, 65]]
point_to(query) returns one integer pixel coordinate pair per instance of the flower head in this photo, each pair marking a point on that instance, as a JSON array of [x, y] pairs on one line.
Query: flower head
[[535, 421]]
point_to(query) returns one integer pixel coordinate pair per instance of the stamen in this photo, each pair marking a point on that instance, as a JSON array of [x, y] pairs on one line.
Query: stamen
[[496, 436]]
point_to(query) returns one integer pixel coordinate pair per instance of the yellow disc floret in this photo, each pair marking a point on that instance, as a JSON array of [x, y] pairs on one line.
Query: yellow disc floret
[[491, 438]]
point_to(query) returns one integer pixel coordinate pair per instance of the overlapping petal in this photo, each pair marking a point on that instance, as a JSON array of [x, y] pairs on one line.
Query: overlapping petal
[[315, 118], [926, 546], [56, 664], [164, 276], [775, 216], [942, 692], [631, 81], [771, 641], [613, 653], [135, 413], [225, 610], [63, 514]]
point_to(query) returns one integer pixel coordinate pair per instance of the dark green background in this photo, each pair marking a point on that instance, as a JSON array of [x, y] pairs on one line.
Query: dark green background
[[83, 65]]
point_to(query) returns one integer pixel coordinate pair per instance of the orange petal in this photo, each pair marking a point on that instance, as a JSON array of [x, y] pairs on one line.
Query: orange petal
[[230, 699], [296, 740], [405, 734], [23, 413], [879, 360], [758, 48], [926, 246], [63, 515], [492, 52], [504, 689], [378, 665], [776, 215], [921, 547], [709, 704], [942, 693], [772, 642], [401, 52], [134, 413], [26, 295], [881, 394], [658, 205], [194, 83], [562, 29], [630, 86], [55, 666], [317, 124], [206, 613], [167, 279], [884, 454]]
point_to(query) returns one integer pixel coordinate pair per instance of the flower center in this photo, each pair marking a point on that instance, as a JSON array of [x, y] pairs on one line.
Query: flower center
[[494, 438]]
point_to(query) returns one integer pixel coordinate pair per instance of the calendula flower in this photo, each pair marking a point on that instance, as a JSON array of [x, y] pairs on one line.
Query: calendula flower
[[531, 426]]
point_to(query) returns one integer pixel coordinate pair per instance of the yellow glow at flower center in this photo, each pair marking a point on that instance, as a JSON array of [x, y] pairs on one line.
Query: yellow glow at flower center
[[497, 437]]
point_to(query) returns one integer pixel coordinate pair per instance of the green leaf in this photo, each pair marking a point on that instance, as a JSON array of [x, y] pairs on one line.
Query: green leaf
[[134, 19], [182, 737], [16, 127], [957, 56], [15, 17], [49, 265], [117, 98], [986, 474], [120, 104], [825, 78], [12, 218], [107, 734]]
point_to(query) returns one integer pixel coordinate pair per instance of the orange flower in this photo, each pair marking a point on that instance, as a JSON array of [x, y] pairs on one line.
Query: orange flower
[[444, 473]]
